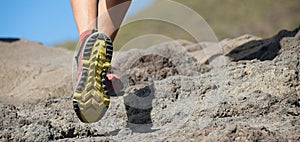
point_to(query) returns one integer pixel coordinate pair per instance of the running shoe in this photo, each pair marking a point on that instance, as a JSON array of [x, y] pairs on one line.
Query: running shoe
[[91, 95]]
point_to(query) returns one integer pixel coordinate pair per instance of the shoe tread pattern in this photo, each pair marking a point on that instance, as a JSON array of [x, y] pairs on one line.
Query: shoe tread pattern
[[90, 100]]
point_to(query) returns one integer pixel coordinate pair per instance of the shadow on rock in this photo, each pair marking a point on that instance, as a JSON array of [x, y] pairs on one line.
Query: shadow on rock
[[10, 40], [138, 106], [112, 133], [265, 49]]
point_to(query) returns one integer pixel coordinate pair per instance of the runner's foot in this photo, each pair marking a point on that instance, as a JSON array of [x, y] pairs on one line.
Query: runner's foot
[[91, 96], [114, 84]]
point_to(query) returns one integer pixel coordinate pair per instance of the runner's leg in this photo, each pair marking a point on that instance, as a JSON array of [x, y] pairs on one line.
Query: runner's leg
[[85, 13], [111, 15]]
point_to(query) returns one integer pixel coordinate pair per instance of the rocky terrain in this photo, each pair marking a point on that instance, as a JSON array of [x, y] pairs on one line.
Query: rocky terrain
[[242, 89]]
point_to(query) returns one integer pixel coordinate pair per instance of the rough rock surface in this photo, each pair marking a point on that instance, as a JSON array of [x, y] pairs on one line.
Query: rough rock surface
[[170, 95], [30, 71]]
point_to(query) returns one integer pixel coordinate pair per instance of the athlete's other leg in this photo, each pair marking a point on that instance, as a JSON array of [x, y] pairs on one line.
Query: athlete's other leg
[[111, 15]]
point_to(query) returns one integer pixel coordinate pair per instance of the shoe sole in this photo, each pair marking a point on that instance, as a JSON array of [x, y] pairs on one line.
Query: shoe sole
[[91, 99]]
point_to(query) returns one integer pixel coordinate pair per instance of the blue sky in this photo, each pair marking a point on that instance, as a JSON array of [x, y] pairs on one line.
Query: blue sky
[[46, 21]]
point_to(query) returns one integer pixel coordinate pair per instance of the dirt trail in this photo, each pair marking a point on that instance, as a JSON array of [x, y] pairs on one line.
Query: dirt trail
[[173, 92]]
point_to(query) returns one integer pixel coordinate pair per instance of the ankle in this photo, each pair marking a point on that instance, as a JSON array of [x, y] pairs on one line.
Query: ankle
[[84, 34]]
